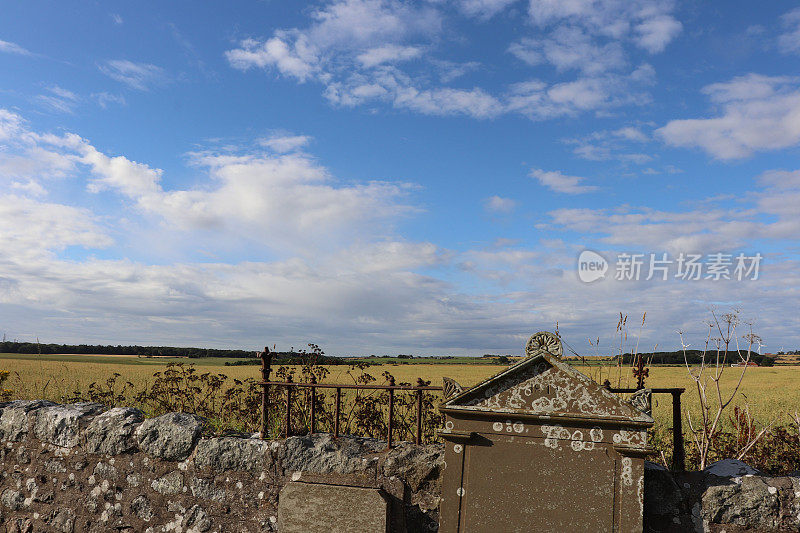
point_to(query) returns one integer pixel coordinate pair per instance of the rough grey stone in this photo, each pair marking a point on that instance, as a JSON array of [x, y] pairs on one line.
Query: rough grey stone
[[197, 520], [104, 471], [55, 466], [16, 417], [171, 436], [171, 483], [322, 454], [415, 465], [315, 508], [61, 424], [112, 432], [205, 488], [750, 503], [231, 453], [140, 506], [62, 520], [23, 457], [12, 499]]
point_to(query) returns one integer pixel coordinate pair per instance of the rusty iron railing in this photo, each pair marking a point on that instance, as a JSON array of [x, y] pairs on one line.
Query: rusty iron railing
[[678, 451], [266, 361], [678, 454]]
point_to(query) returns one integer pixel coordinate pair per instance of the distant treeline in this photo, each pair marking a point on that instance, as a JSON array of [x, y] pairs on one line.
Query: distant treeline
[[145, 351], [694, 357], [287, 358], [161, 351]]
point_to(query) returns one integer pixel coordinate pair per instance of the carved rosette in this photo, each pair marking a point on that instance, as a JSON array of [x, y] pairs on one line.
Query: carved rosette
[[544, 341]]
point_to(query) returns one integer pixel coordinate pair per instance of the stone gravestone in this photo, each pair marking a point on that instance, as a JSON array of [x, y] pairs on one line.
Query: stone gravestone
[[318, 508], [541, 447]]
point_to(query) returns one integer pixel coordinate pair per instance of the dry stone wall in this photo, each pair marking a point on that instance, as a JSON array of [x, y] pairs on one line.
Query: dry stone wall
[[725, 498], [86, 468]]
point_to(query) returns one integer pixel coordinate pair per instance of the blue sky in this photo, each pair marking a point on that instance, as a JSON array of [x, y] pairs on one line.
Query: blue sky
[[384, 176]]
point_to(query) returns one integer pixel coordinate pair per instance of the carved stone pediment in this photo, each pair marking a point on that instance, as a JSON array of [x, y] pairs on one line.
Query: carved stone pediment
[[543, 385]]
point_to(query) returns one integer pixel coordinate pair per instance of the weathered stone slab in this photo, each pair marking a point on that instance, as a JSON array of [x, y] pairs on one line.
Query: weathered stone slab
[[171, 436], [318, 508], [112, 432], [61, 424], [231, 453], [16, 417]]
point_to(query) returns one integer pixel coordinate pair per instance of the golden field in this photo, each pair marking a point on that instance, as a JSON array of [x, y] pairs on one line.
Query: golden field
[[770, 392]]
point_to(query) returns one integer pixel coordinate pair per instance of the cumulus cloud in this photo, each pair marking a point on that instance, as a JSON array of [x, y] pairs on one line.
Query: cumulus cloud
[[285, 143], [619, 144], [498, 204], [570, 48], [558, 182], [388, 54], [758, 113], [649, 22], [789, 40], [483, 9], [767, 212], [538, 100], [326, 262], [361, 52], [141, 76], [29, 226], [298, 60]]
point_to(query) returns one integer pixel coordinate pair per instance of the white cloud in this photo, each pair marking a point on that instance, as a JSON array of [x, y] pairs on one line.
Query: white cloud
[[13, 48], [116, 18], [366, 23], [362, 292], [35, 162], [630, 133], [498, 204], [445, 101], [655, 33], [789, 41], [370, 30], [768, 212], [360, 51], [558, 182], [388, 54], [284, 200], [32, 187], [141, 76], [451, 70], [705, 231], [538, 100], [104, 99], [483, 9], [569, 48], [606, 145], [31, 227], [26, 157], [58, 99], [285, 143], [758, 113], [133, 179], [591, 36], [648, 22], [298, 60], [10, 124]]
